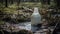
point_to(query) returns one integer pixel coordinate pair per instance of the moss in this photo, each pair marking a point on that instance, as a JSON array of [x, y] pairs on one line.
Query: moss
[[1, 22]]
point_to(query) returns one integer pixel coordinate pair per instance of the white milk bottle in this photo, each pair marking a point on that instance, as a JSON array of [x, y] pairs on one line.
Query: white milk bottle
[[35, 17]]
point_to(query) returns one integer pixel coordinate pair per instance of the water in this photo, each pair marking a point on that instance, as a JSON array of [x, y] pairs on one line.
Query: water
[[17, 27], [28, 26]]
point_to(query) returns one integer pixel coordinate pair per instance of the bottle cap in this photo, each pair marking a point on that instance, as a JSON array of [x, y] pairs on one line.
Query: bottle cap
[[35, 10]]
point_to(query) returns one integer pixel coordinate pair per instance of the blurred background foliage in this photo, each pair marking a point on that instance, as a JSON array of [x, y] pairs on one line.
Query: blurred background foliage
[[19, 9]]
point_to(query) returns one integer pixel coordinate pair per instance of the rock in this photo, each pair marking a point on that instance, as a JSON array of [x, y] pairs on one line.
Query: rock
[[36, 33], [24, 32]]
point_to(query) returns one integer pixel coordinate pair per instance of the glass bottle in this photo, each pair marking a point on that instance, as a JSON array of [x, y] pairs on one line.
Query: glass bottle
[[35, 17]]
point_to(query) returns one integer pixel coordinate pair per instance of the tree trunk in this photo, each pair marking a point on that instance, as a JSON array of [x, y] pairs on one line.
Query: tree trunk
[[58, 3], [48, 2], [6, 3], [18, 2], [11, 1]]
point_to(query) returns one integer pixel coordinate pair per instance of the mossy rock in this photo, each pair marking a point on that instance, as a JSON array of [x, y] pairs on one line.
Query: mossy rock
[[1, 22]]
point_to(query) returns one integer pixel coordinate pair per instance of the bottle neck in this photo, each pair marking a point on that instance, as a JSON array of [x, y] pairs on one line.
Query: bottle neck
[[36, 10]]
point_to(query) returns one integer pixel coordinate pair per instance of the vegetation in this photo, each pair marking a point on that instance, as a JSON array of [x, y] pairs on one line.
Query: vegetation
[[16, 11], [13, 7], [1, 22]]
